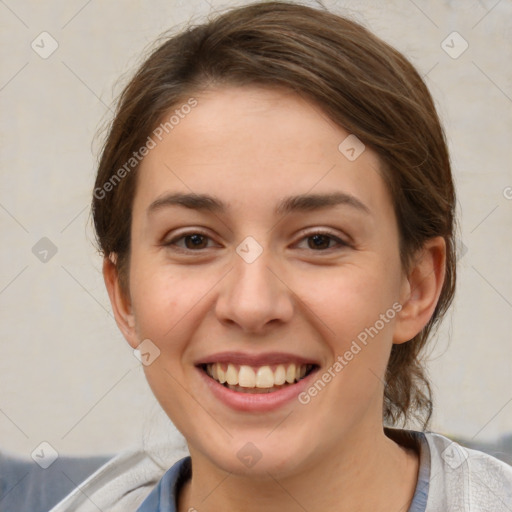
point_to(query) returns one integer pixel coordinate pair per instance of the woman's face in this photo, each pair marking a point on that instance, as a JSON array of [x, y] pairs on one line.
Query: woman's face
[[259, 242]]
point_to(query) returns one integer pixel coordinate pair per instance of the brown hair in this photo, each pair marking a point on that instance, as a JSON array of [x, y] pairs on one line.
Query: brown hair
[[359, 81]]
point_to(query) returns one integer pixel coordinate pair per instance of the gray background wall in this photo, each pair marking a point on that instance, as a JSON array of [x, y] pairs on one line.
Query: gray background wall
[[67, 376]]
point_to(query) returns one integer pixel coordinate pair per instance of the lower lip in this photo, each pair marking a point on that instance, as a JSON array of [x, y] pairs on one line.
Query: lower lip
[[259, 402]]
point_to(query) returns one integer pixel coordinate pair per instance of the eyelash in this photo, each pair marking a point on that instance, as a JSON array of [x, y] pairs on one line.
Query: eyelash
[[339, 242]]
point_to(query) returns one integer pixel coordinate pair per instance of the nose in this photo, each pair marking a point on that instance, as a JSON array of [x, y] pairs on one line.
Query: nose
[[253, 297]]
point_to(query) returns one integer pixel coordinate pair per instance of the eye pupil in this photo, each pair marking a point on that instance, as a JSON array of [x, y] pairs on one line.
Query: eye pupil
[[319, 242]]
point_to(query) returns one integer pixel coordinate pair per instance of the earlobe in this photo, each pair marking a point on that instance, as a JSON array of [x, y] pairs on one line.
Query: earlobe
[[121, 304], [421, 289]]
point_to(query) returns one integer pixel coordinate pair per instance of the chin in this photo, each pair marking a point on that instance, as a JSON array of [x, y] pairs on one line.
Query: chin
[[261, 456]]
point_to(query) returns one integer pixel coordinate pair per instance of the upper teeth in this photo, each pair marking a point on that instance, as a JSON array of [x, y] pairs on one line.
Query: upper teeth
[[259, 377]]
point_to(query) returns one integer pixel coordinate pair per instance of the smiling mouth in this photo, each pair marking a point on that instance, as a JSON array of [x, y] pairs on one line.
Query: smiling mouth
[[261, 379]]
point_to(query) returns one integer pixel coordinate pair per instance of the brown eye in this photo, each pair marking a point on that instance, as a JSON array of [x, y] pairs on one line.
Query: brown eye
[[322, 242], [192, 241], [195, 241], [319, 241]]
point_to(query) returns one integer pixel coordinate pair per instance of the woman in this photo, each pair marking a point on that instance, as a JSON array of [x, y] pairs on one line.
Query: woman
[[275, 207]]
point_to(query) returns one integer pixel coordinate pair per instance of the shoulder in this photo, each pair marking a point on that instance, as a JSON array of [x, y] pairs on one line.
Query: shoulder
[[466, 479], [119, 485], [125, 481]]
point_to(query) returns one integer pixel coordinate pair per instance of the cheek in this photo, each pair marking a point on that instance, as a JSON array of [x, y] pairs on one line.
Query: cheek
[[163, 300], [353, 310], [348, 299]]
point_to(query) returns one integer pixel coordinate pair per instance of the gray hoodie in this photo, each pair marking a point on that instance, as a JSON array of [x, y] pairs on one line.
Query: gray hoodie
[[459, 479]]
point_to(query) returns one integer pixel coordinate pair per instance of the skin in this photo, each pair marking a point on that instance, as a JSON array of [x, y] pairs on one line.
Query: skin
[[251, 147]]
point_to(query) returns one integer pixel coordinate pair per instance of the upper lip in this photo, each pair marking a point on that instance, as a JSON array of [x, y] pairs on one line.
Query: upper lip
[[268, 358]]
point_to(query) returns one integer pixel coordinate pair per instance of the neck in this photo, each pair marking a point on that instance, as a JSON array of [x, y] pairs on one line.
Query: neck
[[356, 477]]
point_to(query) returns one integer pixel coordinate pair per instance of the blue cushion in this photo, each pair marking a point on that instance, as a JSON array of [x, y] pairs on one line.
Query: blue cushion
[[26, 487]]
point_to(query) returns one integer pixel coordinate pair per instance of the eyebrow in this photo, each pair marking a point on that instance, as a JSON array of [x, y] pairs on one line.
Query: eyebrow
[[298, 203], [309, 202]]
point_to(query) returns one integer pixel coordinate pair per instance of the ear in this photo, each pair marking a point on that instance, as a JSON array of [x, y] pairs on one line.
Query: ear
[[121, 304], [421, 289]]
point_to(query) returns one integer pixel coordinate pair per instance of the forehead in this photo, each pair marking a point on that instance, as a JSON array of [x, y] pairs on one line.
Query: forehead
[[252, 146]]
